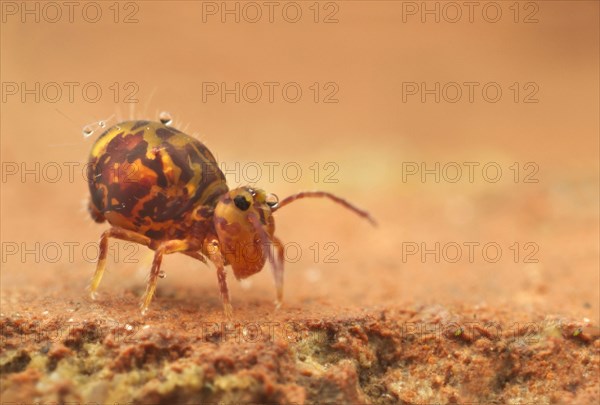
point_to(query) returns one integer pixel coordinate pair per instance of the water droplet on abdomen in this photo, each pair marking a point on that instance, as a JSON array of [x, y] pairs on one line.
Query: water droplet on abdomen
[[88, 131], [165, 118]]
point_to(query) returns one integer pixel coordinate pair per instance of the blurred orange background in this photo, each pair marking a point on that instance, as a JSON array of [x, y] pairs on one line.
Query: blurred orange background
[[375, 60]]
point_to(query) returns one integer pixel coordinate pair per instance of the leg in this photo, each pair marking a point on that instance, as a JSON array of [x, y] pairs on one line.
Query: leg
[[196, 255], [118, 233], [277, 266], [211, 247], [172, 246]]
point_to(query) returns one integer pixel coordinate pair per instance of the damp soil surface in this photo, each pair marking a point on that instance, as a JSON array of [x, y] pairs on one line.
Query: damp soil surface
[[105, 352]]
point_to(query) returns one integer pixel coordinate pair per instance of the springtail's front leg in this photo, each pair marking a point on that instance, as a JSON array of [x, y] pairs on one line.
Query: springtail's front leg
[[213, 250], [172, 246]]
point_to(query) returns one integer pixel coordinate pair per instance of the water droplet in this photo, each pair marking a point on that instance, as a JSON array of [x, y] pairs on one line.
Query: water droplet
[[162, 274], [101, 124], [272, 200], [165, 118], [88, 131]]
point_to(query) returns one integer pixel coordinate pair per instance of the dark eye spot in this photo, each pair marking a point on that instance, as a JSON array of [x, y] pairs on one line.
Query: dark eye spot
[[241, 202]]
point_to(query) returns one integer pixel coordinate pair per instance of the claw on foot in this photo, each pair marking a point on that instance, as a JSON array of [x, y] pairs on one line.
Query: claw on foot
[[143, 308], [228, 310], [145, 304]]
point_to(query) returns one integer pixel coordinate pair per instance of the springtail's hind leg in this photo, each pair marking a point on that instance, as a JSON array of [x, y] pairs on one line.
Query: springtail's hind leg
[[277, 266], [117, 233], [172, 246], [215, 256], [324, 194]]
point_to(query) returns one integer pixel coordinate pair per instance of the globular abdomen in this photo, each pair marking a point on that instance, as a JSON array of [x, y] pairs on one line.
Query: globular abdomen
[[147, 177]]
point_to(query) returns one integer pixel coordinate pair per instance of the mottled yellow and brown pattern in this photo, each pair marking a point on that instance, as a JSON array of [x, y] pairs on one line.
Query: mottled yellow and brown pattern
[[148, 177], [158, 187]]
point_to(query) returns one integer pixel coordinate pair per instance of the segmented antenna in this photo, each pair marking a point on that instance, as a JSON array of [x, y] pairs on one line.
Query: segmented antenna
[[324, 194]]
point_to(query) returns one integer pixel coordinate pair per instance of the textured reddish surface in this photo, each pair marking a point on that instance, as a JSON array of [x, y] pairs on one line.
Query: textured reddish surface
[[183, 355]]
